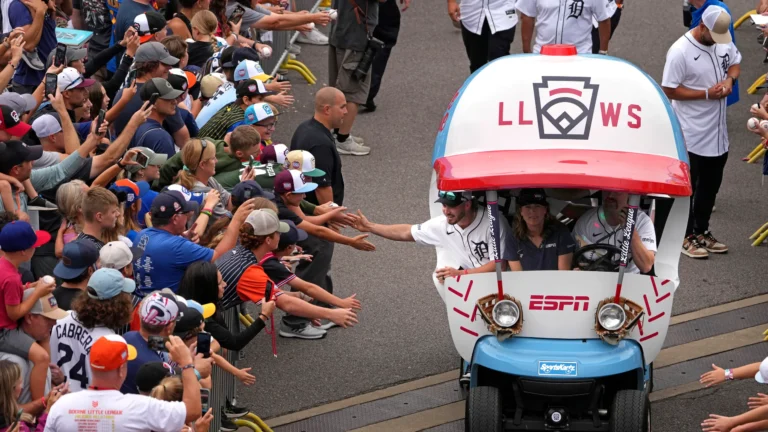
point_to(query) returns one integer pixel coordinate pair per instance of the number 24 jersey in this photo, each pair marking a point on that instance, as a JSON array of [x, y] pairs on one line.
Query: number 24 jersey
[[71, 345]]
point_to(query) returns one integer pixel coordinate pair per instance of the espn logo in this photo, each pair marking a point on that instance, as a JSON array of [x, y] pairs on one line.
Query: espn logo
[[559, 303]]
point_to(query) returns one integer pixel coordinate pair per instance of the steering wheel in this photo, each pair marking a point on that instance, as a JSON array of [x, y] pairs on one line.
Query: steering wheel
[[608, 262]]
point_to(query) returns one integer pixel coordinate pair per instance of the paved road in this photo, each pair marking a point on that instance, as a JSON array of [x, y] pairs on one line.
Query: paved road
[[403, 332]]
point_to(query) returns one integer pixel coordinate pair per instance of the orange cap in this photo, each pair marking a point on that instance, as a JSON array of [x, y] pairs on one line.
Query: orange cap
[[110, 352]]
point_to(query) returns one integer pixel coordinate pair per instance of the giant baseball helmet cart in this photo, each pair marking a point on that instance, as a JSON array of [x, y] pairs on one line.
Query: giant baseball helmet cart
[[567, 350]]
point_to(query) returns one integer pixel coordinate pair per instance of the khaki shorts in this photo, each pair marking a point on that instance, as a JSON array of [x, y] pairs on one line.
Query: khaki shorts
[[341, 65]]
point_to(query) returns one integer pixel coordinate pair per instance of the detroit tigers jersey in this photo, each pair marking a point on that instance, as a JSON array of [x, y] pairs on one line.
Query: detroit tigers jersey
[[71, 345], [564, 21], [470, 247], [698, 67], [592, 228], [500, 15]]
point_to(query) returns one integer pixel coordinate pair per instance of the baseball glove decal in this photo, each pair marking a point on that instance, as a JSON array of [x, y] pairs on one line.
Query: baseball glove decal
[[633, 314], [486, 307]]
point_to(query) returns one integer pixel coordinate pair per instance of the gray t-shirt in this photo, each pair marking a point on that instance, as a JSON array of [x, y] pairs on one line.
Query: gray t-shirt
[[346, 32], [48, 159], [221, 208]]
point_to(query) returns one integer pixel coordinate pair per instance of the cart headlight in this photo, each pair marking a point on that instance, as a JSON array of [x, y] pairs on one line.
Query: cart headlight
[[505, 314], [611, 316]]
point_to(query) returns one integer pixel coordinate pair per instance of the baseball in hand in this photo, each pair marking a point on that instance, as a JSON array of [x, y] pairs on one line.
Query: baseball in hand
[[311, 25], [752, 123], [48, 279], [266, 51], [756, 106], [764, 125], [333, 14]]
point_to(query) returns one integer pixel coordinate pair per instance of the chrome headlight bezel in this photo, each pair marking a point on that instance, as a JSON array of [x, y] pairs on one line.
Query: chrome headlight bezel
[[611, 308], [501, 307]]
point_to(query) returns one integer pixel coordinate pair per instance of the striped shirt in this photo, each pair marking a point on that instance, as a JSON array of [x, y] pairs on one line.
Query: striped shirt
[[232, 265], [220, 123]]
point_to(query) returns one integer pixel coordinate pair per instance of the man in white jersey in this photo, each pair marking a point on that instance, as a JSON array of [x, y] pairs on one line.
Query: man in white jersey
[[487, 28], [564, 22], [463, 229], [104, 307], [102, 407], [699, 74], [605, 225]]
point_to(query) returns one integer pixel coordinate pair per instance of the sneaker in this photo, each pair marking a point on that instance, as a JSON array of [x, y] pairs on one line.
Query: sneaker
[[294, 49], [693, 248], [314, 37], [327, 325], [710, 243], [231, 410], [307, 332], [370, 106], [228, 426], [357, 139], [464, 379], [351, 147]]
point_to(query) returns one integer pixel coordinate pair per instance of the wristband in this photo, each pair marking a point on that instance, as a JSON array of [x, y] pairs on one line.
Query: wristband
[[465, 272], [42, 400], [119, 163], [266, 318], [728, 375], [207, 213], [208, 210]]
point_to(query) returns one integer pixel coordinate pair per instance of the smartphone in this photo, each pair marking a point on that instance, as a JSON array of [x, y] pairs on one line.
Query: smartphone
[[130, 78], [61, 55], [51, 83], [237, 15], [142, 159], [157, 343], [102, 113], [251, 162], [153, 98], [205, 396], [268, 291], [204, 344]]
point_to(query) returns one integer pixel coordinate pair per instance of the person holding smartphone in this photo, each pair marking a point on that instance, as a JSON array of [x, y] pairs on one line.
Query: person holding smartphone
[[151, 134]]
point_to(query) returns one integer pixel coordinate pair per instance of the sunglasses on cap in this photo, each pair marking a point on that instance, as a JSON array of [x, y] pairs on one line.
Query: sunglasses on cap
[[204, 143], [74, 83], [449, 195]]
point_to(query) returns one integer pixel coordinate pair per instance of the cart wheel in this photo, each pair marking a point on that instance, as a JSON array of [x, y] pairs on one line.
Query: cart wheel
[[650, 378], [463, 384], [483, 410], [631, 412]]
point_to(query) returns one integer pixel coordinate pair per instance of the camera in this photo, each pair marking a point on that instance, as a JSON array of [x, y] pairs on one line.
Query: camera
[[374, 46]]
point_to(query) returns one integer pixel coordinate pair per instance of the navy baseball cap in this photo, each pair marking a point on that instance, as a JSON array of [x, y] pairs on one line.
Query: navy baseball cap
[[76, 257], [238, 55], [452, 199], [248, 189], [150, 374], [16, 153], [169, 203], [532, 196], [293, 236], [19, 236]]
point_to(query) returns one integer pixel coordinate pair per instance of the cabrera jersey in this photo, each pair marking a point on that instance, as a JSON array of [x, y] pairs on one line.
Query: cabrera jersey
[[471, 247], [592, 228], [699, 67], [71, 345], [564, 21]]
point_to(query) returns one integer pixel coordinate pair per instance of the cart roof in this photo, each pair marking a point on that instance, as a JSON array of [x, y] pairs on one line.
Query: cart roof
[[561, 120]]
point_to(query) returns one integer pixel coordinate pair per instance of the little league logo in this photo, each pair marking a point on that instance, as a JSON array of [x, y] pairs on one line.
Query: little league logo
[[268, 110], [295, 165], [565, 107], [251, 117]]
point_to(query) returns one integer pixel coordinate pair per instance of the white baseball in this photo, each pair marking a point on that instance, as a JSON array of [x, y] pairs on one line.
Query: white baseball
[[756, 106], [752, 123], [266, 51], [311, 25], [764, 125], [333, 14], [48, 279]]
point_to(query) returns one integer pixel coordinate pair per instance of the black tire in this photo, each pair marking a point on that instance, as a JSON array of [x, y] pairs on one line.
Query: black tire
[[463, 387], [631, 412], [650, 378], [483, 412]]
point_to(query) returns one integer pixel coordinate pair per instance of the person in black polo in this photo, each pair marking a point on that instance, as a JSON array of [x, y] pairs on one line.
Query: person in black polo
[[538, 241], [315, 136]]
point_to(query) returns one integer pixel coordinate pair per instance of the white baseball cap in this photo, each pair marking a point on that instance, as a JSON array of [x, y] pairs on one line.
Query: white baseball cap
[[250, 69], [70, 79], [117, 255], [46, 125], [718, 21], [303, 161], [258, 112]]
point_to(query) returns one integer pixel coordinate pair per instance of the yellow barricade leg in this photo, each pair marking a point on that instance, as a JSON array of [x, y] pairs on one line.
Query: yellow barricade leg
[[757, 156], [757, 233], [303, 66], [246, 423], [743, 18], [259, 422], [299, 70], [753, 152], [760, 239], [758, 82]]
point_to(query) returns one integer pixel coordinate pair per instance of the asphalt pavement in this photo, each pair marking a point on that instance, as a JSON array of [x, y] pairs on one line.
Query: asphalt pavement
[[403, 333]]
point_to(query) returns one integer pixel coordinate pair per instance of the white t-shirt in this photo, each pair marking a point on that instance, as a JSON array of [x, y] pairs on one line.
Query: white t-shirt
[[500, 15], [110, 410], [698, 67], [26, 368], [592, 228], [70, 350], [564, 21], [471, 247]]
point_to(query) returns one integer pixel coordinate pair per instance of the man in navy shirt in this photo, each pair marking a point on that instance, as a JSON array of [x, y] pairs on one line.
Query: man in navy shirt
[[151, 134], [166, 248], [152, 61], [39, 40]]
